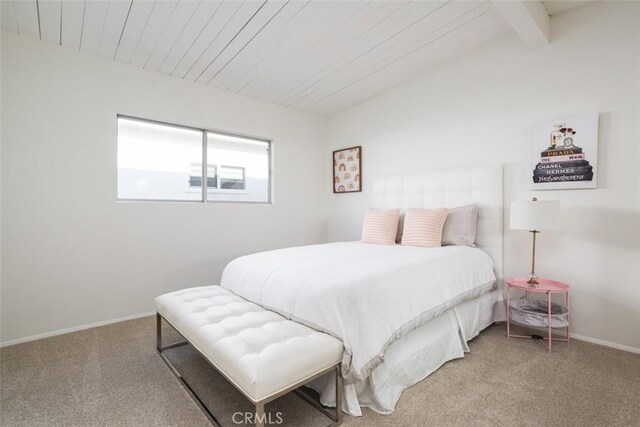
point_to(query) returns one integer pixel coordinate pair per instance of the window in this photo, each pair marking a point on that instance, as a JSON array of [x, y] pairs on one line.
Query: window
[[163, 162], [242, 166], [195, 177], [232, 178]]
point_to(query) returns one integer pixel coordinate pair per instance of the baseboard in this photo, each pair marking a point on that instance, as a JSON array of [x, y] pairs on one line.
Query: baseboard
[[74, 329], [606, 343], [589, 340], [150, 313]]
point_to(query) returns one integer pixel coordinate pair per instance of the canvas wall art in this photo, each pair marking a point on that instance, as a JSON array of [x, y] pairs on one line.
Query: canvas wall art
[[347, 170], [564, 153]]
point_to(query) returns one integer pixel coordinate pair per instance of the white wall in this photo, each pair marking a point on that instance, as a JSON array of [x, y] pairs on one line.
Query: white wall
[[72, 254], [480, 110]]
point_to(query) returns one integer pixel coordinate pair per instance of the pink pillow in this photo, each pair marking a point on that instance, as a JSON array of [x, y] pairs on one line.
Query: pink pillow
[[380, 226], [423, 227]]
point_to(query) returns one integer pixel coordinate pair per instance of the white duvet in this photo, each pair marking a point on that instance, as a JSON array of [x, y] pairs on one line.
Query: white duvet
[[365, 294]]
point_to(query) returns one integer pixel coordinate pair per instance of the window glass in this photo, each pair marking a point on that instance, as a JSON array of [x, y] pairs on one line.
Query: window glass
[[195, 178], [243, 166], [232, 178], [158, 161], [155, 161]]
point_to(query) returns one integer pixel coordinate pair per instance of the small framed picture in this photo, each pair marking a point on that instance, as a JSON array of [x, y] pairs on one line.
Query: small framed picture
[[564, 153], [347, 170]]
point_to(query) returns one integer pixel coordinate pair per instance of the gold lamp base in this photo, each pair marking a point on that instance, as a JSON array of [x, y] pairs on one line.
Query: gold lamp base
[[533, 279]]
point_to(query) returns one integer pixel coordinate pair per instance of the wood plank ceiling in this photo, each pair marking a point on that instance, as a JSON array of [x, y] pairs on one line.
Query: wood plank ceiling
[[319, 56]]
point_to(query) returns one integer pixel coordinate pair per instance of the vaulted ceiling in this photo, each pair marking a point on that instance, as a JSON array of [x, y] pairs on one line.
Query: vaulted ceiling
[[319, 56]]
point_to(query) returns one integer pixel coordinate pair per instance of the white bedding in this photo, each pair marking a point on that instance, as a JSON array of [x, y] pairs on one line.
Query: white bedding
[[415, 356], [367, 295]]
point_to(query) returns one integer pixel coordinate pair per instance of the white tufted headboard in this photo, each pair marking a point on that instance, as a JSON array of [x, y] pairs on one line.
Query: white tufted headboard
[[449, 188]]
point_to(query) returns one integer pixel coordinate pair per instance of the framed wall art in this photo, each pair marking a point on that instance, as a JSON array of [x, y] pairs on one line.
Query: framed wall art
[[564, 153], [347, 170]]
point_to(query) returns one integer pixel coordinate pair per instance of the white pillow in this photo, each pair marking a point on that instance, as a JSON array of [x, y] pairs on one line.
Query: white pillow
[[380, 226], [460, 226]]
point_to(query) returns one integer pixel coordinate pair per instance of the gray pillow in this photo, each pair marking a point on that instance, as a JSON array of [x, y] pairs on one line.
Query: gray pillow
[[460, 226]]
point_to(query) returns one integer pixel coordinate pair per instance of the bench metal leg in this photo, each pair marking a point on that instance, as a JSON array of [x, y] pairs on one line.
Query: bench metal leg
[[159, 332], [337, 415], [159, 337], [339, 391], [212, 419], [260, 413], [259, 421]]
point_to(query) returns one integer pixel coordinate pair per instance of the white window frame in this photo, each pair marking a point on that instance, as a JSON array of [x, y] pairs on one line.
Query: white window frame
[[205, 188]]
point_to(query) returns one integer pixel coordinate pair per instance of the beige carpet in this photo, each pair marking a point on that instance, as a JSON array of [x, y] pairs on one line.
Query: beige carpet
[[112, 376]]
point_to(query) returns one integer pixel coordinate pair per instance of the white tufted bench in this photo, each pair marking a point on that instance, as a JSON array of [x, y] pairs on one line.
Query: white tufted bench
[[263, 354]]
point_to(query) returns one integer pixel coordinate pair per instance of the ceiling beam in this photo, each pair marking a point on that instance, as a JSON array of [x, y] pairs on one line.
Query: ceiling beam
[[528, 18]]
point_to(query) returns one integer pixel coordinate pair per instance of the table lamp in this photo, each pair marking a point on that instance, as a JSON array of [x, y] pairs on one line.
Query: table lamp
[[534, 216]]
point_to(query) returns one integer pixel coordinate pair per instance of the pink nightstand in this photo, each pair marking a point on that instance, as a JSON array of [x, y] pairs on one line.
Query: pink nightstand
[[545, 287]]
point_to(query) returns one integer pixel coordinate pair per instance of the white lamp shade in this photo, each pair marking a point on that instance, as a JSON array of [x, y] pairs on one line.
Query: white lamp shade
[[535, 215]]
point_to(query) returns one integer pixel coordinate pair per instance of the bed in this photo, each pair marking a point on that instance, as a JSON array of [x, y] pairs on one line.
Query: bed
[[400, 311]]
